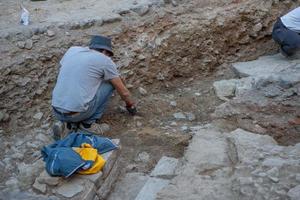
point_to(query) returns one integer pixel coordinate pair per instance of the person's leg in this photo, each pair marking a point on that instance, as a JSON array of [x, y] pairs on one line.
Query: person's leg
[[100, 102], [288, 40], [291, 42]]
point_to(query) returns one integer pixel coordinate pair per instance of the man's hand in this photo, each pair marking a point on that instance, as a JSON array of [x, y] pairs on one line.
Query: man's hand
[[131, 109], [125, 95]]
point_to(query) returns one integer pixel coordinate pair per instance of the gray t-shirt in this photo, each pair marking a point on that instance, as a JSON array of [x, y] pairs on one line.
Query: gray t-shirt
[[292, 20], [81, 73]]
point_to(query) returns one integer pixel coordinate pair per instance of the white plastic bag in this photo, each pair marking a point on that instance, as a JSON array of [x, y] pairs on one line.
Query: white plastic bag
[[24, 16]]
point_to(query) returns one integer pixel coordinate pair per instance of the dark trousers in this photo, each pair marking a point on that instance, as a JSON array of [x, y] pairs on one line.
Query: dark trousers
[[288, 40]]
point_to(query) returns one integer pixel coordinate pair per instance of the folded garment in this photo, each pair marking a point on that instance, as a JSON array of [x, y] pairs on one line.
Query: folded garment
[[102, 144], [94, 161], [62, 160]]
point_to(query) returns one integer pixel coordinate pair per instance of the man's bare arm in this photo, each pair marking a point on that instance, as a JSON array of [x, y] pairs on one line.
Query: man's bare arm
[[122, 91]]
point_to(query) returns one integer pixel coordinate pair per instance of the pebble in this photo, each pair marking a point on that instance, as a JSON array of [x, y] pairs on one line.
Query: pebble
[[28, 44], [197, 94], [3, 116], [141, 57], [21, 44], [173, 103], [173, 124], [142, 91], [50, 33], [141, 10], [185, 128], [143, 157], [139, 124], [40, 187], [190, 116], [38, 116], [179, 115]]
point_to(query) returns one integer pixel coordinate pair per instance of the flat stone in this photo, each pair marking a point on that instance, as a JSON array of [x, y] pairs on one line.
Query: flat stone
[[141, 9], [112, 18], [225, 89], [39, 187], [129, 186], [45, 178], [70, 189], [28, 44], [264, 66], [165, 168], [151, 188], [21, 44], [50, 33], [179, 115], [294, 193]]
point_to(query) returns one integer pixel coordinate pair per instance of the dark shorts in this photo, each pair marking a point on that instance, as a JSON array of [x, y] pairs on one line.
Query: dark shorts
[[288, 40]]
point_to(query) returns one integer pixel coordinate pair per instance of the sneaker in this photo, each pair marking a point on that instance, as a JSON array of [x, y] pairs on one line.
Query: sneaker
[[57, 130], [98, 128]]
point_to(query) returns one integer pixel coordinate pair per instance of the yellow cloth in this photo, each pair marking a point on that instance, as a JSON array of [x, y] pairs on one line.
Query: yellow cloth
[[88, 153]]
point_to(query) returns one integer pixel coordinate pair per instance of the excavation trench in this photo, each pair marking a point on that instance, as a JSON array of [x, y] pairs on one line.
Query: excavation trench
[[175, 59]]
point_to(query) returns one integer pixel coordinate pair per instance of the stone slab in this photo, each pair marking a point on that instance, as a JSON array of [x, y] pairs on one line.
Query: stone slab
[[129, 186], [165, 168], [151, 188], [264, 66]]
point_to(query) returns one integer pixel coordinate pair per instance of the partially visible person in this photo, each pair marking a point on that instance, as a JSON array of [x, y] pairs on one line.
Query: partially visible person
[[85, 83], [286, 32]]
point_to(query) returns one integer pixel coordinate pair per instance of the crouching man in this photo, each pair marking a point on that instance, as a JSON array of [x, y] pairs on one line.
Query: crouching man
[[286, 32], [85, 83]]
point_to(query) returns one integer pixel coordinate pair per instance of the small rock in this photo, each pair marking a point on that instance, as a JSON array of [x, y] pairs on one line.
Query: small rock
[[298, 177], [129, 86], [141, 57], [28, 44], [35, 37], [294, 193], [184, 128], [138, 124], [17, 156], [173, 103], [50, 33], [197, 94], [142, 91], [21, 44], [122, 109], [40, 187], [173, 124], [3, 116], [190, 116], [38, 116], [160, 76], [12, 183], [143, 157], [179, 115], [273, 174], [141, 10], [45, 178], [174, 3]]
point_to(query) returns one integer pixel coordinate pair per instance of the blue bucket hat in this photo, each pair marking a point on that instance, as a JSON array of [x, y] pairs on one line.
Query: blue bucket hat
[[101, 42]]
